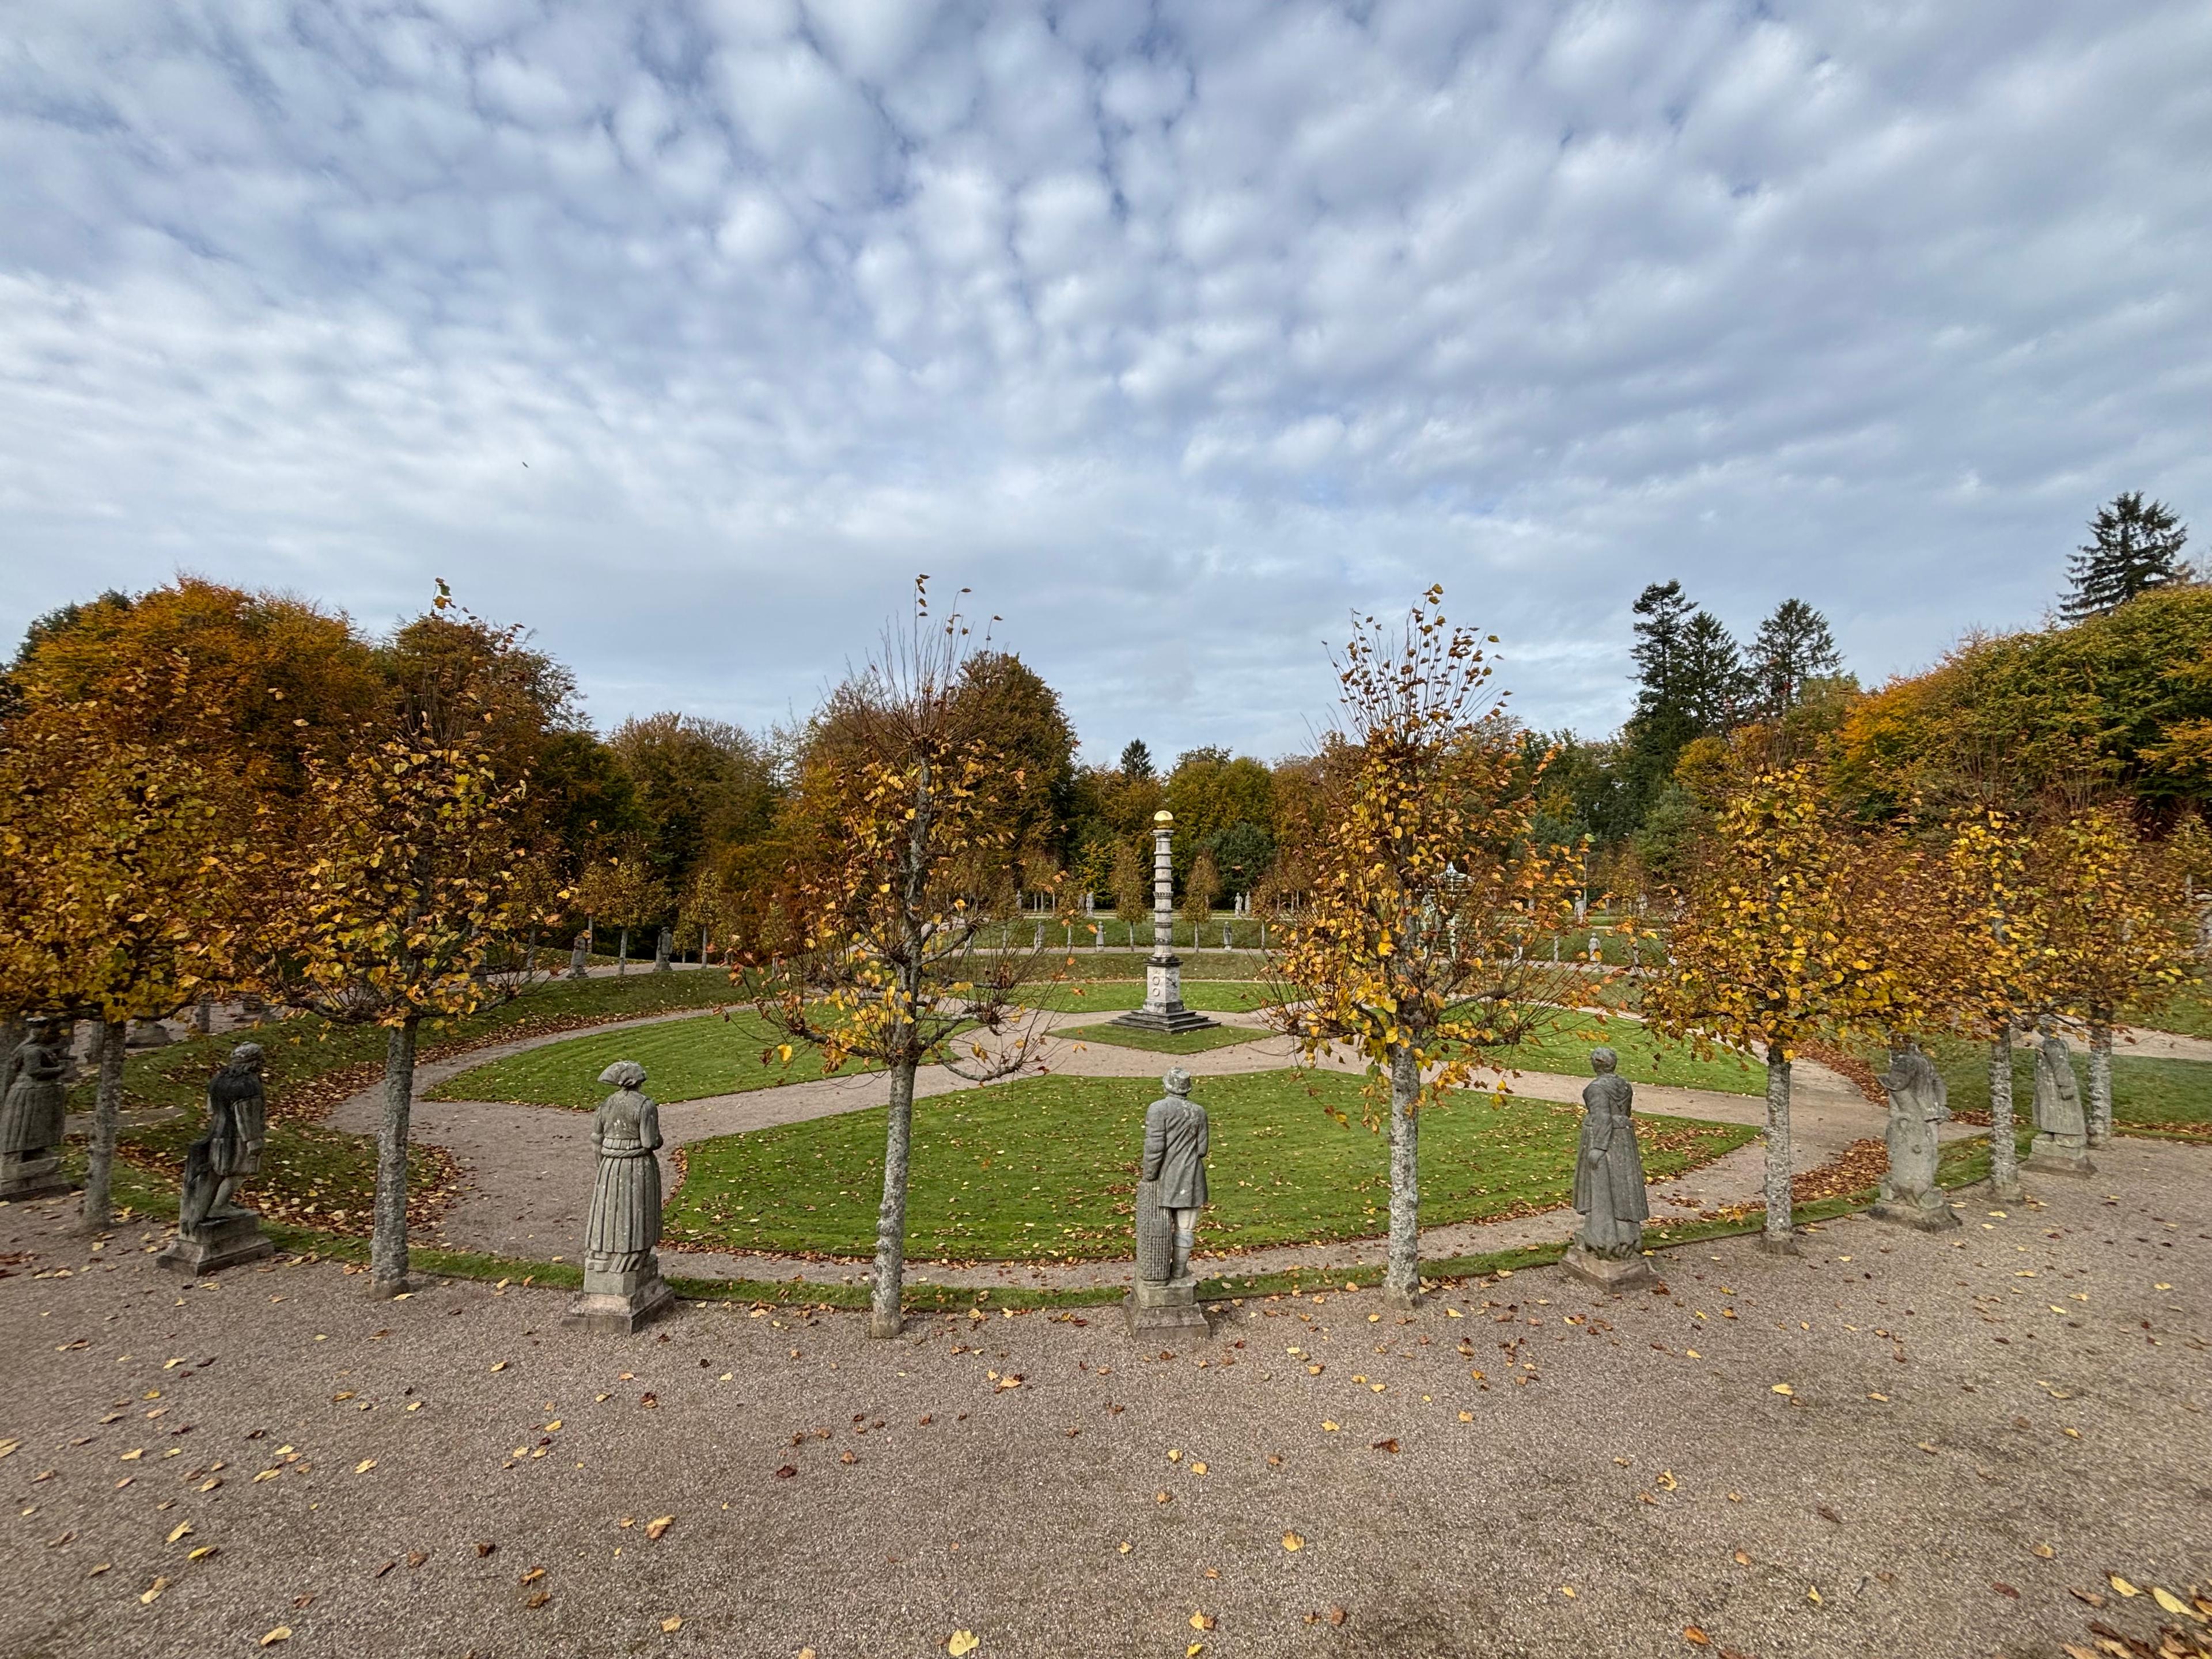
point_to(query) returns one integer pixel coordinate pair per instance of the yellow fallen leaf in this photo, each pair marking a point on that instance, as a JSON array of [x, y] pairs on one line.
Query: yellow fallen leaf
[[178, 1531], [1813, 1595], [1174, 1456], [499, 1365], [1693, 1354], [962, 1641], [364, 1466], [1292, 1541], [1194, 1650], [1454, 1312], [655, 1528], [1666, 1481], [2043, 1551], [2174, 1603], [414, 1405], [282, 1633], [1567, 1591], [1783, 1387], [202, 1552], [1466, 1417], [1201, 1621], [160, 1584], [1197, 1469], [674, 1622], [1328, 1428], [132, 1455]]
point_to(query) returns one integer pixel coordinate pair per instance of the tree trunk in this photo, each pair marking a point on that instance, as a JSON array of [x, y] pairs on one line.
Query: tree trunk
[[622, 959], [99, 1211], [2004, 1151], [387, 1250], [884, 1317], [1780, 1236], [1401, 1281], [2100, 1082]]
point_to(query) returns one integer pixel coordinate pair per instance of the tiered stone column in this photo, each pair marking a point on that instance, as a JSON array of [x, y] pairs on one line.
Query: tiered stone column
[[1163, 1010]]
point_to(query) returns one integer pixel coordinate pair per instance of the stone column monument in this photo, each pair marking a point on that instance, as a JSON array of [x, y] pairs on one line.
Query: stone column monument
[[30, 1115], [622, 1285], [1163, 1010], [1170, 1192], [1609, 1195], [212, 1231], [2061, 1134], [1918, 1102]]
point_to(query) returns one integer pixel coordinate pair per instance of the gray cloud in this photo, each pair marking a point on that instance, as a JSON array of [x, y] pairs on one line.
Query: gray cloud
[[1176, 334]]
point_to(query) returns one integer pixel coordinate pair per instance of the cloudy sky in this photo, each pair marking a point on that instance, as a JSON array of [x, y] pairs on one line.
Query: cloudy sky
[[687, 331]]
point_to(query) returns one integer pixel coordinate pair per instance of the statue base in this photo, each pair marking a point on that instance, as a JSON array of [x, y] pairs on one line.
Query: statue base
[[39, 1175], [230, 1241], [617, 1305], [1609, 1272], [1907, 1211], [2060, 1155], [1152, 1306], [1163, 1010]]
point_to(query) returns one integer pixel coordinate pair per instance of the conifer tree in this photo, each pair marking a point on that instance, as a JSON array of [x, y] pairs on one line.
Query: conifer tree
[[1793, 646], [2134, 545]]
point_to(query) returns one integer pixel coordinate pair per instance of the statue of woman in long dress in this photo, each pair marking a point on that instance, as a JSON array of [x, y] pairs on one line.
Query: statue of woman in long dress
[[1609, 1192], [32, 1112], [2062, 1131], [1918, 1101], [624, 1226]]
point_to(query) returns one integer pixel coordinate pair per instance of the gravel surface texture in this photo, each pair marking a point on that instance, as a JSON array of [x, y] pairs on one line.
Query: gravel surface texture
[[455, 1473]]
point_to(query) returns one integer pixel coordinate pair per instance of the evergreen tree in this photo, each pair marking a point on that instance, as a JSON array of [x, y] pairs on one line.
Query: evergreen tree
[[1691, 682], [1794, 646], [1136, 760], [2135, 545], [1711, 681]]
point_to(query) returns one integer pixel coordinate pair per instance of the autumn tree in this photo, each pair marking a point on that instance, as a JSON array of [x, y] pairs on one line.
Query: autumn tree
[[1771, 949], [620, 889], [405, 900], [1199, 889], [1414, 949], [905, 819]]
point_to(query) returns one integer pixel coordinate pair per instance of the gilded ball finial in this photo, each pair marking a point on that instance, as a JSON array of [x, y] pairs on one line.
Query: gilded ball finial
[[1163, 818]]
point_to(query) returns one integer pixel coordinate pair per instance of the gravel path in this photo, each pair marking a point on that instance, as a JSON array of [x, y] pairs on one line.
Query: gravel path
[[1943, 1429], [528, 1169]]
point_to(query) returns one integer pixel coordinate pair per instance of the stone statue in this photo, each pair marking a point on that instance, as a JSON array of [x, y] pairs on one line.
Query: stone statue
[[2061, 1134], [1170, 1192], [580, 956], [1609, 1193], [661, 951], [622, 1287], [1918, 1101], [32, 1113], [212, 1231]]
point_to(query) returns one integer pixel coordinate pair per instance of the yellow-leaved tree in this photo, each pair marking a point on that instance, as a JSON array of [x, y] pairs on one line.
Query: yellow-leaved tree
[[1425, 896], [1773, 947], [905, 821]]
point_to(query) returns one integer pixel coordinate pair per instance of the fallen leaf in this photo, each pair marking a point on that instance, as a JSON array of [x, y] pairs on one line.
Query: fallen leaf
[[2043, 1551], [1813, 1595], [499, 1365], [961, 1642], [178, 1531], [2174, 1603], [2121, 1584], [1783, 1388], [1201, 1621], [1567, 1591], [282, 1633], [538, 1599], [786, 1473], [1163, 1496], [1697, 1638], [417, 1557], [483, 1549], [655, 1527], [364, 1466], [1328, 1428], [1338, 1615], [1741, 1559], [2090, 1596], [1292, 1541], [673, 1623], [531, 1576], [1390, 1445], [160, 1584], [202, 1553]]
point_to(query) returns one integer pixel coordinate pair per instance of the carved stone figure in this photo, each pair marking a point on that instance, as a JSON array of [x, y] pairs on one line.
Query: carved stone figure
[[661, 951], [1170, 1192], [580, 956], [622, 1287], [2062, 1133], [32, 1113], [1918, 1101], [212, 1231], [1609, 1193]]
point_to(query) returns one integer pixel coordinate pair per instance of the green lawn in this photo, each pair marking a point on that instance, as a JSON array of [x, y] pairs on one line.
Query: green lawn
[[1563, 1046], [683, 1059], [2144, 1091], [1046, 1167], [1207, 996], [1163, 1043], [2189, 1011]]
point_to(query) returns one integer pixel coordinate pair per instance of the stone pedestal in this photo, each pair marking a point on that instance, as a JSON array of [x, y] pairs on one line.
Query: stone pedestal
[[619, 1303], [2061, 1154], [31, 1174], [1609, 1272], [1935, 1216], [1163, 1010], [221, 1242], [1154, 1308]]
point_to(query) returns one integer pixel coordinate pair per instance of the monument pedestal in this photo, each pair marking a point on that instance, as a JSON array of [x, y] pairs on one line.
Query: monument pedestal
[[617, 1305], [38, 1175], [1609, 1272], [1153, 1307], [229, 1241], [1163, 1010], [1934, 1216], [2061, 1154]]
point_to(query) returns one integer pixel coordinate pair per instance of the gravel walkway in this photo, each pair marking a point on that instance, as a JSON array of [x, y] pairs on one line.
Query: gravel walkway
[[527, 1169], [454, 1473]]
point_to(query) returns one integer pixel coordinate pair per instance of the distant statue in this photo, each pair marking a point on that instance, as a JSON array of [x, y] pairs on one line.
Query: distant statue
[[1172, 1191], [2061, 1132], [1609, 1192], [32, 1113], [622, 1287], [212, 1231], [228, 1154], [580, 956], [1918, 1102], [662, 949]]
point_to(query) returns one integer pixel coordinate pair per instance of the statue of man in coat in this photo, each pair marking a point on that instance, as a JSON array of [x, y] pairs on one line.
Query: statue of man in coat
[[1170, 1192]]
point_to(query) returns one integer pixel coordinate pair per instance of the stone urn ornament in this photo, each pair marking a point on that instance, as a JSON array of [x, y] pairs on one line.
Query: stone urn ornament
[[2061, 1145], [1609, 1192], [622, 1285], [1918, 1102], [1170, 1192], [214, 1232], [32, 1113]]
